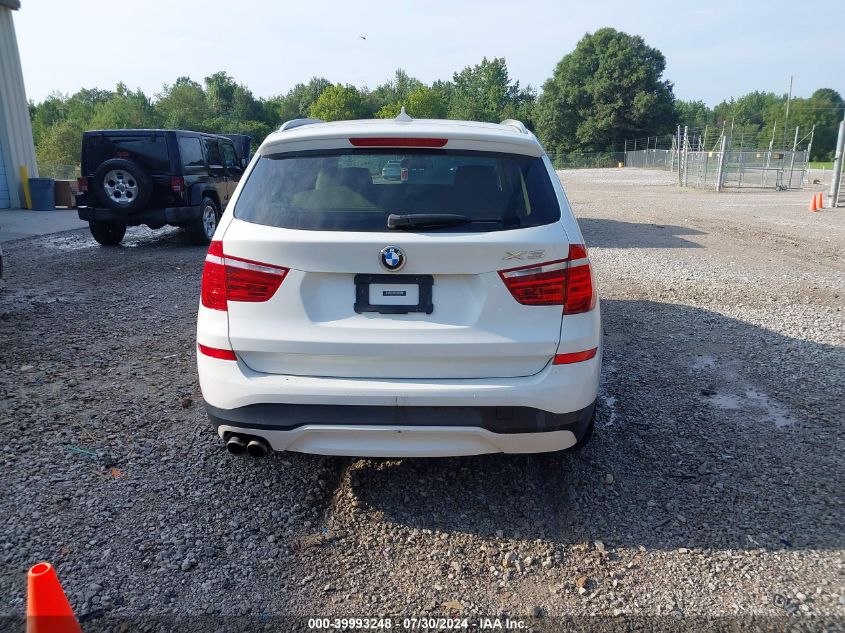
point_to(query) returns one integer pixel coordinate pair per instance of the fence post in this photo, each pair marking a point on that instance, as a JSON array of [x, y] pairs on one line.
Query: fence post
[[720, 173], [679, 151], [833, 198], [805, 178], [792, 159]]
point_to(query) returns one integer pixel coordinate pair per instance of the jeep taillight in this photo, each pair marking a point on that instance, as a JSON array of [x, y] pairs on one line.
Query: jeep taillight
[[82, 184], [566, 282], [226, 278], [177, 184]]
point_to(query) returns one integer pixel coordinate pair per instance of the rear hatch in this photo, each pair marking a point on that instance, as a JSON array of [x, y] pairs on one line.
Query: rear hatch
[[396, 279], [151, 150]]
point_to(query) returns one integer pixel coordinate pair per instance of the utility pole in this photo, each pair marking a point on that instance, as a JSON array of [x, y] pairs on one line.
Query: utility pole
[[786, 119]]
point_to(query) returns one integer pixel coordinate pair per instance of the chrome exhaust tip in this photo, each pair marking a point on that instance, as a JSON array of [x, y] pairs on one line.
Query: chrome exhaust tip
[[235, 445], [257, 448]]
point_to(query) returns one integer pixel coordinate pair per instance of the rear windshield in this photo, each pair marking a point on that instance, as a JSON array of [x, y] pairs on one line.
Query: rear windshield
[[356, 190], [150, 151]]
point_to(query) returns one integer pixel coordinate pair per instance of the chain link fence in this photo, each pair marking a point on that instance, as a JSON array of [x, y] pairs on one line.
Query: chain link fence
[[587, 160], [724, 165]]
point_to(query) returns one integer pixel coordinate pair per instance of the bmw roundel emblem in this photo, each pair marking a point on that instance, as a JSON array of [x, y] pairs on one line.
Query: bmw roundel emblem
[[392, 258]]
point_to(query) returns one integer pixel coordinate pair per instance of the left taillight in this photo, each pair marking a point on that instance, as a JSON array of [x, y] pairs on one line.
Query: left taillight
[[82, 184], [177, 184], [566, 282], [226, 278]]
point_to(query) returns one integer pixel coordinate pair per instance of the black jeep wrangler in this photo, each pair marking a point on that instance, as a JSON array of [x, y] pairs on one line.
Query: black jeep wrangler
[[157, 178]]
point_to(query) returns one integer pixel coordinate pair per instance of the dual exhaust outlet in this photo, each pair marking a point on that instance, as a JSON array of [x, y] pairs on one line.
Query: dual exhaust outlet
[[254, 446]]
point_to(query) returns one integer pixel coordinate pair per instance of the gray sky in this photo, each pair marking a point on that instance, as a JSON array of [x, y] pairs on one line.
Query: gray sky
[[714, 49]]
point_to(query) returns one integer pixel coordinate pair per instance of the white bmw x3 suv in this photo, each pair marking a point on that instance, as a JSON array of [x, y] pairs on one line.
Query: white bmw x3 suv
[[451, 311]]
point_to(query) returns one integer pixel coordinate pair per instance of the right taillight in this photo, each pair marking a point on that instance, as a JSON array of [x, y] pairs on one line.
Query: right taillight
[[568, 283], [82, 184], [226, 278]]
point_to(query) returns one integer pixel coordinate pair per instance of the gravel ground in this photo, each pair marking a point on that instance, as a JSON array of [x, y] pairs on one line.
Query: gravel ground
[[713, 487]]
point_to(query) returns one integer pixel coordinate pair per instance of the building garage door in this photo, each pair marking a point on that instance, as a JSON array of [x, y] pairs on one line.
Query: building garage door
[[5, 202]]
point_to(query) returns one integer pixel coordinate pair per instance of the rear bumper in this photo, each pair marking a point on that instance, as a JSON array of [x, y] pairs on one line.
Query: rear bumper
[[170, 215], [508, 420], [402, 441], [228, 385], [549, 411]]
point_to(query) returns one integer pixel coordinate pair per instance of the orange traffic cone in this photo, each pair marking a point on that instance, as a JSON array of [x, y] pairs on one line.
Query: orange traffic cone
[[820, 203], [47, 608], [813, 203]]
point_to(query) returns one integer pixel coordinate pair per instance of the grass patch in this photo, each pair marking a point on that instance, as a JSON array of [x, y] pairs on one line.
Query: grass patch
[[821, 165]]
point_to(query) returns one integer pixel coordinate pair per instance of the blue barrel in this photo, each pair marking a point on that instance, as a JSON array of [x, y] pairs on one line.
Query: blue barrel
[[43, 192]]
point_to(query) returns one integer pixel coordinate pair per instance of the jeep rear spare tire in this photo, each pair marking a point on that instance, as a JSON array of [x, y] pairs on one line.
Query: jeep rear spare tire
[[122, 185], [107, 233]]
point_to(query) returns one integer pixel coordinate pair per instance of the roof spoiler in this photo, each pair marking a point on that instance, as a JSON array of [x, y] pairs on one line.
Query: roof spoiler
[[289, 125], [517, 125]]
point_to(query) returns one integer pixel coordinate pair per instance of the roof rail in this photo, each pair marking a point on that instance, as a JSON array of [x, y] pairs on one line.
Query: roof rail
[[517, 125], [289, 125]]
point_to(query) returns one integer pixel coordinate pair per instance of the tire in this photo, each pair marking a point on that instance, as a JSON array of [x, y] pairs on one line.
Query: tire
[[107, 233], [122, 185], [201, 230]]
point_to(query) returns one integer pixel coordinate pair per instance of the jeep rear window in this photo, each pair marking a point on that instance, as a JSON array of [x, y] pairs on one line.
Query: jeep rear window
[[191, 151], [150, 151], [349, 190]]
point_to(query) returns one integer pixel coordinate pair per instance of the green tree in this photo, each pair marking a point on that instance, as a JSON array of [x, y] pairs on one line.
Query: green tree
[[823, 110], [522, 107], [60, 144], [396, 90], [125, 110], [483, 92], [183, 105], [608, 89], [420, 103], [220, 92], [296, 104], [695, 114], [339, 103]]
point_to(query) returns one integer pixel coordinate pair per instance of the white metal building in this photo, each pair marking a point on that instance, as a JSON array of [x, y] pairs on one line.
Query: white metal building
[[16, 147]]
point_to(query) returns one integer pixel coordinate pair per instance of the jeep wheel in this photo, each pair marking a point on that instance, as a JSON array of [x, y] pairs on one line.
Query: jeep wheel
[[122, 185], [202, 229], [107, 233]]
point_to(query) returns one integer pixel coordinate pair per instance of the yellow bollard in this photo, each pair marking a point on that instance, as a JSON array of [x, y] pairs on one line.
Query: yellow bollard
[[621, 165], [27, 196]]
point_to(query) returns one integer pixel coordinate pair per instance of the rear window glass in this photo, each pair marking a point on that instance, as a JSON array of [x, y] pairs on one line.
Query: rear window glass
[[150, 151], [213, 149], [191, 150], [356, 190]]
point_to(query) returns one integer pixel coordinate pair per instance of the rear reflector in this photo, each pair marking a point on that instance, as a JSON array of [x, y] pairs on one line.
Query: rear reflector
[[574, 357], [214, 352], [566, 282], [397, 141], [226, 278]]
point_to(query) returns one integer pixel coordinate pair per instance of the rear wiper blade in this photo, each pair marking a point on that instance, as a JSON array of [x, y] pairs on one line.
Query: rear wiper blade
[[423, 220], [420, 220]]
